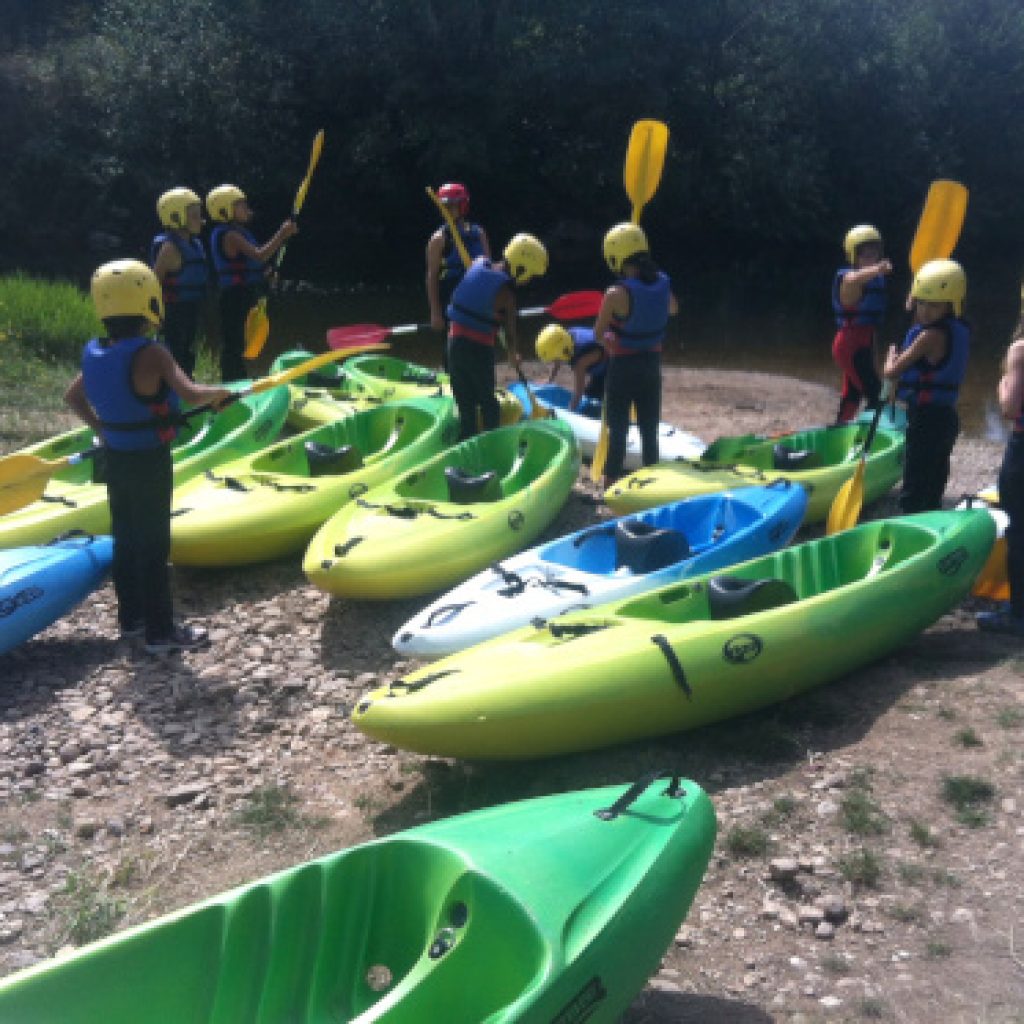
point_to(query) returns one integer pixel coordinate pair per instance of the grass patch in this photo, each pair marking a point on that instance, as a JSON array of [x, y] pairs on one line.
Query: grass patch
[[946, 878], [923, 835], [48, 319], [968, 796], [270, 809], [968, 738], [945, 713], [870, 1008], [860, 815], [782, 807], [90, 914], [937, 949], [910, 872], [1010, 718], [835, 965], [861, 868], [907, 913], [747, 841]]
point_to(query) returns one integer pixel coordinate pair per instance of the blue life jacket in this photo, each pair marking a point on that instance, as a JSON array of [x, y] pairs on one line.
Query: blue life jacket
[[472, 237], [924, 384], [583, 343], [870, 309], [472, 303], [644, 329], [188, 283], [233, 273], [128, 422]]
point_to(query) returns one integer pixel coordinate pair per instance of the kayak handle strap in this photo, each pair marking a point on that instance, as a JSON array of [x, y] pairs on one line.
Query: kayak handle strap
[[675, 790]]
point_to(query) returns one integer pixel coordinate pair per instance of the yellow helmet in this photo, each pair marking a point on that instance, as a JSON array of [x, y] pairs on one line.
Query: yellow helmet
[[941, 281], [220, 203], [526, 258], [858, 236], [172, 207], [554, 343], [127, 288], [621, 242]]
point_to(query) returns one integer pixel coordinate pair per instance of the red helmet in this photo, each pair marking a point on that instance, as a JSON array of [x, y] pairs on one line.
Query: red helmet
[[456, 194]]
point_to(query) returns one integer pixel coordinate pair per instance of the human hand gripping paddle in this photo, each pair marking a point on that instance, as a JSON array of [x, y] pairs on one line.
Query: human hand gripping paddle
[[936, 236], [571, 306], [645, 160], [257, 323], [23, 477]]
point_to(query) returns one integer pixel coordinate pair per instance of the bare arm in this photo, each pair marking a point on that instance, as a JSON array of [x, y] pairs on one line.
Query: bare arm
[[614, 305], [505, 314], [236, 244], [851, 288], [154, 366], [434, 249], [76, 401], [168, 261], [930, 344], [579, 374], [1011, 384]]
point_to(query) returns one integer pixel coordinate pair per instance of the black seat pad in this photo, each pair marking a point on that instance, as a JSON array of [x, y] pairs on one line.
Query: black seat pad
[[467, 489], [319, 379], [788, 459], [644, 548], [327, 461], [730, 598]]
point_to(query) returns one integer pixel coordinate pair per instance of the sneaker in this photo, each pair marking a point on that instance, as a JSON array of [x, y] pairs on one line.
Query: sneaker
[[1000, 622], [183, 638]]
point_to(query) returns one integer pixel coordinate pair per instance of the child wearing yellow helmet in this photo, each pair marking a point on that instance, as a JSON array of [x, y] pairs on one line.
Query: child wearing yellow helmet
[[577, 347], [128, 391], [928, 367], [483, 303], [178, 259], [859, 303], [631, 325], [241, 267], [1010, 621]]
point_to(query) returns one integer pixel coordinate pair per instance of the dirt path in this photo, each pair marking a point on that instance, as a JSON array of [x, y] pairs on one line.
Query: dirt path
[[844, 886]]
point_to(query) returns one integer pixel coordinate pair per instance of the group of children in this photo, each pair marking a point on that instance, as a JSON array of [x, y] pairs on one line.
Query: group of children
[[129, 388], [927, 370]]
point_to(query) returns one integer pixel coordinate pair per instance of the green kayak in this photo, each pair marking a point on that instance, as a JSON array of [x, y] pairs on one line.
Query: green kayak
[[75, 500], [324, 396], [692, 653], [821, 460], [548, 911]]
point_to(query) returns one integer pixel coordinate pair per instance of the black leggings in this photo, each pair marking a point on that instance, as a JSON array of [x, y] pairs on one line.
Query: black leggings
[[931, 433], [632, 380], [235, 304], [471, 367], [181, 324], [1011, 498], [139, 488]]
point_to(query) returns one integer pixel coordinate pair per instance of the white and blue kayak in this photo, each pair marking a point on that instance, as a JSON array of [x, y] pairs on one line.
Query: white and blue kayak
[[614, 560], [39, 584], [585, 422]]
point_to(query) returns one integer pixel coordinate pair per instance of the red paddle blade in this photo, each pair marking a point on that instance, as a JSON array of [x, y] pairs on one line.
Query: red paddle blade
[[576, 305], [356, 335]]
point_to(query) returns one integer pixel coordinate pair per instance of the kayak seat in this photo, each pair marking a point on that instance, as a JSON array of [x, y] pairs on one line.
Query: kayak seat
[[643, 548], [424, 377], [730, 598], [788, 459], [327, 461], [319, 379], [466, 489]]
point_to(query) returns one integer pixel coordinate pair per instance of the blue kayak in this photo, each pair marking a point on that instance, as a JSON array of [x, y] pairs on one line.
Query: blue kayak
[[585, 422], [608, 562], [39, 584]]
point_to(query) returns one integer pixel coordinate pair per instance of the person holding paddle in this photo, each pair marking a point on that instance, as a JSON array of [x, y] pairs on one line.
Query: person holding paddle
[[631, 325], [241, 267], [178, 259], [483, 303], [858, 300], [586, 358], [928, 368], [1010, 620], [128, 392], [445, 268]]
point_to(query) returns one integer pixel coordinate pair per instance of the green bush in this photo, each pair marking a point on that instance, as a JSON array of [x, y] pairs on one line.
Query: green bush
[[47, 319]]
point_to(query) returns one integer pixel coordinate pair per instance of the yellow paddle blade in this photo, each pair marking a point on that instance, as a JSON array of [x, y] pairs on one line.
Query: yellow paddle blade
[[314, 159], [645, 159], [942, 218], [257, 329], [993, 581], [600, 453], [23, 479], [848, 502]]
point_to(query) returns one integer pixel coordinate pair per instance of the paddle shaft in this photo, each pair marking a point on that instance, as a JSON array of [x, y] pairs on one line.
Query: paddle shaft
[[452, 227]]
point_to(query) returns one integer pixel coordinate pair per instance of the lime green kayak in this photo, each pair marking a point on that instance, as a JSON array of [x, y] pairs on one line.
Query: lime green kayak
[[324, 396], [270, 503], [554, 910], [691, 653], [486, 498], [389, 377], [821, 460], [75, 500]]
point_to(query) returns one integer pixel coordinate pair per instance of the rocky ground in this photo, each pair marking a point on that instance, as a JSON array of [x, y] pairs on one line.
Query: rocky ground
[[868, 864]]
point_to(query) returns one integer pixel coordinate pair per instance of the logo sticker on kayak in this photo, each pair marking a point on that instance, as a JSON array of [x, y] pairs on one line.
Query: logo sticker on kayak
[[516, 519], [9, 605], [742, 648], [954, 561], [582, 1005]]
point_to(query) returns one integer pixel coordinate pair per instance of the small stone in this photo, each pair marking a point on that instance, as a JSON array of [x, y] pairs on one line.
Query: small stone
[[184, 794], [86, 828], [783, 868], [825, 930], [810, 915], [834, 908]]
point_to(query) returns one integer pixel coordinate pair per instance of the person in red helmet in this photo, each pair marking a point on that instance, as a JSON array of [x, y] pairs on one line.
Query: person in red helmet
[[444, 262]]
